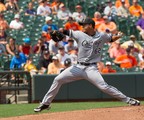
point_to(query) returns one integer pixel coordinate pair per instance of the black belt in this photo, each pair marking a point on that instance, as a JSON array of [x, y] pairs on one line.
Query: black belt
[[86, 64]]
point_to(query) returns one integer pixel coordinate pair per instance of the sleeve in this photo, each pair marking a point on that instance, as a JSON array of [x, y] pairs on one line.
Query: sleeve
[[107, 37], [75, 34], [45, 28], [138, 23]]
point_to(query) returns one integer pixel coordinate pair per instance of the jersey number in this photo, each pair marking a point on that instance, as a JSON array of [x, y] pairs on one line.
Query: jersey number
[[97, 50]]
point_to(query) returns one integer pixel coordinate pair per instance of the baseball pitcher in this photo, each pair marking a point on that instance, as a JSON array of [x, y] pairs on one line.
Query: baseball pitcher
[[90, 44]]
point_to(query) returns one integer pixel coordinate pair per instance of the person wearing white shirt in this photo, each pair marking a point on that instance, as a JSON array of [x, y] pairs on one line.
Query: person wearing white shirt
[[62, 56], [16, 23], [63, 13], [110, 10], [43, 9], [78, 15]]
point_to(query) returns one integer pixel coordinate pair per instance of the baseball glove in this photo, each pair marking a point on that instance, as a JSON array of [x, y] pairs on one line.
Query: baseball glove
[[57, 36]]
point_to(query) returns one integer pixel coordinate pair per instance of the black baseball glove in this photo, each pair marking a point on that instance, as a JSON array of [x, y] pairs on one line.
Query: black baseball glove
[[57, 36]]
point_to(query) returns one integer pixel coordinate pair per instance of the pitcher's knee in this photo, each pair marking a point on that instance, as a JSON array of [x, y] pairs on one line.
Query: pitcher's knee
[[58, 80]]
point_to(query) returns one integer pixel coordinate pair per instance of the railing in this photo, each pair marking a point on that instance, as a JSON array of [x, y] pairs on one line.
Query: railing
[[16, 81]]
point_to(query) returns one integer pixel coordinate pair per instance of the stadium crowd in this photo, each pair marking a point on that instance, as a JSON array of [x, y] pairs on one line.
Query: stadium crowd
[[44, 56]]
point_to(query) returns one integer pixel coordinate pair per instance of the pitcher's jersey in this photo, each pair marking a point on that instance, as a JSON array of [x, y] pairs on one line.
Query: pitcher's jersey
[[90, 47]]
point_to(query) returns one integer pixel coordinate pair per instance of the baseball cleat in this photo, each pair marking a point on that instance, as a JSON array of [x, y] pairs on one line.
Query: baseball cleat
[[41, 107], [133, 102]]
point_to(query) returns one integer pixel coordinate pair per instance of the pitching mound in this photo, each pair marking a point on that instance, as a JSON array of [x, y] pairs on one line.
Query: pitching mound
[[117, 113]]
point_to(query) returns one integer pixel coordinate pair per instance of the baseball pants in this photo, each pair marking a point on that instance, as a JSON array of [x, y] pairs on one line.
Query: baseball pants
[[77, 72]]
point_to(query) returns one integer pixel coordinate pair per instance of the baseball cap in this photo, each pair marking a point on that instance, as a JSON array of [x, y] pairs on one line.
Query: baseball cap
[[27, 40], [122, 0], [132, 36], [17, 16], [108, 63], [48, 18], [61, 5], [87, 21], [67, 61], [54, 58], [46, 52], [78, 6]]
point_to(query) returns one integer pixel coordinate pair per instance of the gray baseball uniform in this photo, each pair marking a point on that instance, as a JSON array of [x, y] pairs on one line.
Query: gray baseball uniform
[[89, 53]]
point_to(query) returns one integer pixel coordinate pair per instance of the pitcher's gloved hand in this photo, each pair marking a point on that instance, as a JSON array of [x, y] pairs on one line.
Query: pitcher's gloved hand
[[57, 36]]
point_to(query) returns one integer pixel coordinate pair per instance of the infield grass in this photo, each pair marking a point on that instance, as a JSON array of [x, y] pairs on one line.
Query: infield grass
[[8, 110]]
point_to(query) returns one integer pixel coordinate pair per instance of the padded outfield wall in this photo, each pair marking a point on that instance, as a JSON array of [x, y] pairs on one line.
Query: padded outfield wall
[[132, 84]]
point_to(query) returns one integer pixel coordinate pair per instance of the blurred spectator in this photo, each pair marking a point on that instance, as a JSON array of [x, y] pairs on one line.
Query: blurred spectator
[[70, 46], [108, 68], [123, 11], [78, 15], [73, 56], [3, 23], [26, 47], [16, 23], [141, 56], [119, 3], [30, 11], [11, 46], [17, 60], [12, 6], [126, 60], [43, 9], [71, 24], [140, 25], [98, 19], [55, 66], [108, 26], [63, 13], [110, 10], [100, 66], [44, 61], [62, 56], [3, 36], [53, 47], [132, 42], [141, 65], [41, 46], [55, 6], [49, 25], [2, 50], [30, 67], [2, 7], [135, 9], [67, 63], [115, 50]]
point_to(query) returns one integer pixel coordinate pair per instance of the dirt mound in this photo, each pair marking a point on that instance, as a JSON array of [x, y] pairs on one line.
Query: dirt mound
[[117, 113]]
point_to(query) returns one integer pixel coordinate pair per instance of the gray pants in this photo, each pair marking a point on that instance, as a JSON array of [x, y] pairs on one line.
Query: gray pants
[[78, 72]]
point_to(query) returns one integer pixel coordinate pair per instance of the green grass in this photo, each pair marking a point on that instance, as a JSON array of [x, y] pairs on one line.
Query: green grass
[[8, 110]]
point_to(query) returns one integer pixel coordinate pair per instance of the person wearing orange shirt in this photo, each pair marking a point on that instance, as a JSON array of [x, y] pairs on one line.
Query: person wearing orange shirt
[[127, 60], [98, 19], [71, 24], [108, 68], [2, 7], [135, 9], [108, 26], [118, 3]]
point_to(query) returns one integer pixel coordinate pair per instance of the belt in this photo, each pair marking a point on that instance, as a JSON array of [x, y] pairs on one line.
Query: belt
[[86, 64]]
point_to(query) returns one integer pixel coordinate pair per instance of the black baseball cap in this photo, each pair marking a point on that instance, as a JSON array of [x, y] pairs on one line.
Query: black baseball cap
[[87, 21]]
